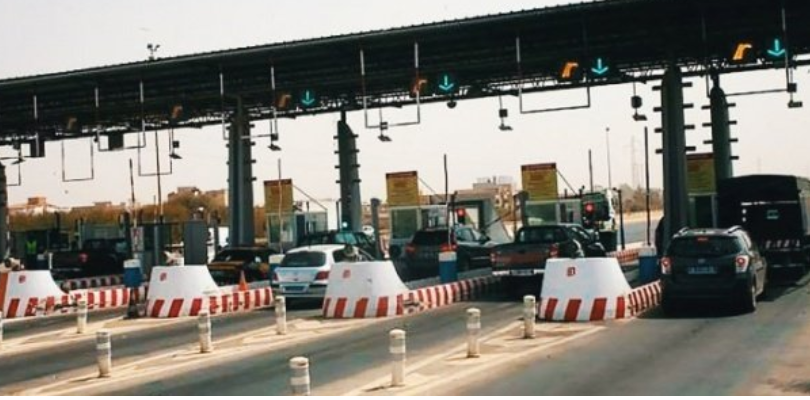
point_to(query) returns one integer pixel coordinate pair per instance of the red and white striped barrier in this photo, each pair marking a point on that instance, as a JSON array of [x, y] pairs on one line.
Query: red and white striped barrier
[[583, 290], [108, 298], [30, 293], [411, 302], [218, 304], [625, 257], [94, 282], [645, 298], [364, 290]]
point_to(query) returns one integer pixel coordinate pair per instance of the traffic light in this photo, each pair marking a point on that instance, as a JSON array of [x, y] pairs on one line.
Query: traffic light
[[461, 216], [774, 51], [570, 71], [600, 68], [743, 53], [589, 215], [308, 99]]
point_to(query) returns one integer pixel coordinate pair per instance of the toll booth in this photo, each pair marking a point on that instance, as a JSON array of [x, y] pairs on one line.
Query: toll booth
[[702, 191], [287, 228], [551, 212], [703, 210]]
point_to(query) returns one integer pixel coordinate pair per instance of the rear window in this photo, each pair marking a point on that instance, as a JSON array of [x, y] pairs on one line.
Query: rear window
[[237, 255], [430, 238], [704, 246], [304, 259], [542, 235]]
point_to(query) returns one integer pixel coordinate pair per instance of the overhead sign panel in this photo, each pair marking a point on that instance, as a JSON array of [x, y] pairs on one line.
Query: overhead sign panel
[[403, 189], [540, 181], [278, 194], [700, 174]]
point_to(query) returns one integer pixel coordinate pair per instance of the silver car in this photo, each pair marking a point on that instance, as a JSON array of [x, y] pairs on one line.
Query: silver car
[[304, 272]]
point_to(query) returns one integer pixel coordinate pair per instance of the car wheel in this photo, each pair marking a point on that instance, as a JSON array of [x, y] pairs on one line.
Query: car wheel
[[749, 304]]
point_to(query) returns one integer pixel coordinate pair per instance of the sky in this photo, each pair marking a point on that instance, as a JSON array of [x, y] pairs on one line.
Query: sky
[[39, 36]]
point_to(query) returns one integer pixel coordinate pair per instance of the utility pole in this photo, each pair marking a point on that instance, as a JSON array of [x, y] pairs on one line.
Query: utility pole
[[590, 167], [609, 167]]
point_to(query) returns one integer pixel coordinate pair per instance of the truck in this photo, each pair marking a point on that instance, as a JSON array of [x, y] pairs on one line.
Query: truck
[[97, 257], [521, 264], [775, 210]]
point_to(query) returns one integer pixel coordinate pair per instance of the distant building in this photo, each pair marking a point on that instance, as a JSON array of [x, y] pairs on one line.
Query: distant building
[[219, 196], [35, 206]]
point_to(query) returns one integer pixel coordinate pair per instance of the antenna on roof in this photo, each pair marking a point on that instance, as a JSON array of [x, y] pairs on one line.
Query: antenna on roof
[[153, 48]]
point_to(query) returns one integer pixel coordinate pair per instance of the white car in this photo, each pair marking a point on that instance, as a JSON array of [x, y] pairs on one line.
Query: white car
[[304, 272]]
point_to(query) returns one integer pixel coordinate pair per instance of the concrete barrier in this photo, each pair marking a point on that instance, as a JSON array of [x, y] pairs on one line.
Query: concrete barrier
[[91, 283], [364, 290], [108, 298], [184, 291], [31, 293], [644, 298], [626, 257], [591, 289]]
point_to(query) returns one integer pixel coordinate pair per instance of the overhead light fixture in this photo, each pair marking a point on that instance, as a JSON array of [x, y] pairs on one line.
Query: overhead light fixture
[[503, 114], [795, 104], [384, 138], [175, 156], [639, 117], [274, 147], [451, 104]]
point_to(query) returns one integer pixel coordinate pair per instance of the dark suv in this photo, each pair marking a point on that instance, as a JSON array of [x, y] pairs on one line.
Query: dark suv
[[422, 253], [712, 264]]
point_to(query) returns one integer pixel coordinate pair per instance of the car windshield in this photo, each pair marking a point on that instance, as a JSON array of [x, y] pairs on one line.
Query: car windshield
[[304, 259], [430, 238], [237, 255], [704, 246], [543, 235]]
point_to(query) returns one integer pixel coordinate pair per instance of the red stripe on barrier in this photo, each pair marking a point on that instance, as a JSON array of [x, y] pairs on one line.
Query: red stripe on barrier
[[448, 294], [360, 308], [572, 310], [550, 306], [326, 303], [31, 308], [114, 295], [50, 304], [620, 307], [340, 307], [157, 305], [213, 305], [400, 305], [13, 305], [382, 307], [598, 310], [226, 304], [196, 305], [174, 310]]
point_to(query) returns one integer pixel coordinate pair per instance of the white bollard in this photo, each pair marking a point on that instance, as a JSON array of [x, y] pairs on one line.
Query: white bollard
[[204, 327], [473, 332], [397, 349], [104, 353], [529, 315], [299, 376], [281, 315], [81, 317]]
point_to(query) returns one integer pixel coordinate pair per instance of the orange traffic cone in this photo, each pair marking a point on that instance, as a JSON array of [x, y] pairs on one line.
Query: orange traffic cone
[[243, 287]]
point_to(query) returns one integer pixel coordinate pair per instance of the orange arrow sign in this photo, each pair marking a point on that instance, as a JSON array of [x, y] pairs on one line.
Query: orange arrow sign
[[568, 70], [739, 53]]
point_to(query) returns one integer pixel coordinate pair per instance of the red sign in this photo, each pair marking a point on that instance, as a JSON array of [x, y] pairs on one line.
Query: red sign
[[572, 271], [347, 274]]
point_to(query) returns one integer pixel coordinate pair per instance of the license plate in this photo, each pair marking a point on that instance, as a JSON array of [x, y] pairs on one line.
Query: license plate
[[702, 270], [523, 272], [293, 289]]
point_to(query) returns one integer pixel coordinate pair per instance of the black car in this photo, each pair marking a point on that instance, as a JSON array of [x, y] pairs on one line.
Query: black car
[[715, 264], [229, 265], [358, 239], [472, 250]]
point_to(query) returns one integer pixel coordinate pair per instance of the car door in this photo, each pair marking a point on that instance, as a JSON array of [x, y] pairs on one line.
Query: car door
[[758, 262]]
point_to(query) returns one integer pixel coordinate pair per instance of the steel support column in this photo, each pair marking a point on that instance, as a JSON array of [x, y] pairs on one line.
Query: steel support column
[[721, 133], [351, 203], [240, 180], [674, 150]]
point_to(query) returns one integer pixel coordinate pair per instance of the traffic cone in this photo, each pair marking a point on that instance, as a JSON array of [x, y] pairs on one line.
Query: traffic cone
[[243, 287]]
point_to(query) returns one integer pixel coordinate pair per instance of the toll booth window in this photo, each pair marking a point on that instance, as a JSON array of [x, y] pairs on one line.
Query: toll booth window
[[541, 213], [403, 223]]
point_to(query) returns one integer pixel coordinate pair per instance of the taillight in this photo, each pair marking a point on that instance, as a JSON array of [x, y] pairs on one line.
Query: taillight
[[741, 263], [410, 249], [555, 251], [275, 277], [322, 276], [666, 266], [83, 258], [447, 247]]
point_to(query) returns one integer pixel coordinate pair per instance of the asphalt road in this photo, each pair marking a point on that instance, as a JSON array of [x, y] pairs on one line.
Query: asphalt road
[[707, 351], [26, 370], [31, 326], [636, 231], [344, 356]]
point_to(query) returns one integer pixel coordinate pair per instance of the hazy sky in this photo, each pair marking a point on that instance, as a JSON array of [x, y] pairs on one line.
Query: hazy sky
[[38, 36]]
